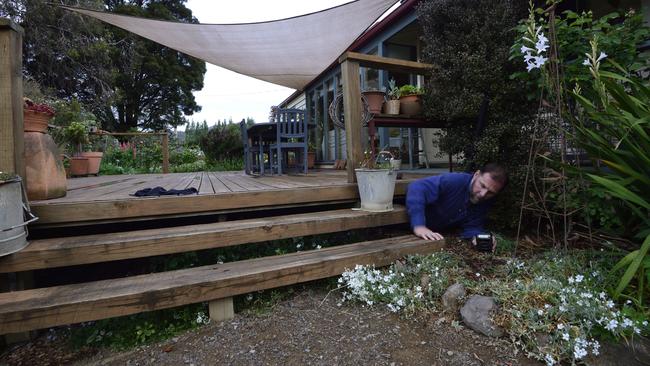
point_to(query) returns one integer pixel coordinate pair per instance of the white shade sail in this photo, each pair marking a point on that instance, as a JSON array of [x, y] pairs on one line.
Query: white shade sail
[[289, 52]]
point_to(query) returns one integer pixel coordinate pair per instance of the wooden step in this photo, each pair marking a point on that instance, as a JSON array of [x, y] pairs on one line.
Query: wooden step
[[116, 210], [67, 251], [46, 307]]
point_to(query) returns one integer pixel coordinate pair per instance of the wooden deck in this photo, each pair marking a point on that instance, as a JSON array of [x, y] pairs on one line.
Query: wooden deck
[[109, 198]]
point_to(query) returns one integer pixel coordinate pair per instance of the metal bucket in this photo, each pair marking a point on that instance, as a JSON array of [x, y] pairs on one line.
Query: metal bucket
[[14, 216]]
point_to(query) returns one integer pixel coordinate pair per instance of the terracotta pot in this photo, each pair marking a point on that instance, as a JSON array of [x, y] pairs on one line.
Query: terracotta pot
[[94, 161], [392, 106], [43, 167], [375, 100], [35, 121], [411, 105], [78, 166], [311, 159]]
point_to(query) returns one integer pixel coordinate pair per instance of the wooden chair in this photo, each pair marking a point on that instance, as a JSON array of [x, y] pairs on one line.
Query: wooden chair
[[291, 137], [253, 152]]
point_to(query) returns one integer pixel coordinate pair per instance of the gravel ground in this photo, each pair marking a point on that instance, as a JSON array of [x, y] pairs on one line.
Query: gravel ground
[[307, 329]]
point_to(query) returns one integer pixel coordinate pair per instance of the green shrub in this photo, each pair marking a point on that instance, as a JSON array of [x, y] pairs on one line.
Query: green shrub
[[222, 142]]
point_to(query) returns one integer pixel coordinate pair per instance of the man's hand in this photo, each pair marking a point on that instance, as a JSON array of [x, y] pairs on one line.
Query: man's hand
[[424, 233], [494, 243]]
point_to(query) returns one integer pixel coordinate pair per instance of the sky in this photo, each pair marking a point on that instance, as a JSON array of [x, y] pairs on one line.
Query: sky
[[226, 94]]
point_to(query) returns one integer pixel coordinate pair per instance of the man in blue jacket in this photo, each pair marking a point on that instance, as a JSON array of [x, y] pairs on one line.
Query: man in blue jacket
[[454, 200]]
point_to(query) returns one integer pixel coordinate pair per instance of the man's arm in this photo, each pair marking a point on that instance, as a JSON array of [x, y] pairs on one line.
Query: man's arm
[[419, 194]]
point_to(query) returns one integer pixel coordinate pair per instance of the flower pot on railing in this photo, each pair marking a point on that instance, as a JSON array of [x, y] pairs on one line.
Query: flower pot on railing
[[411, 105], [375, 100], [392, 106]]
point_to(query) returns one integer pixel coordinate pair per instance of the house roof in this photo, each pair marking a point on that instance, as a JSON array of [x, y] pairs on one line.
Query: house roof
[[289, 52], [367, 36]]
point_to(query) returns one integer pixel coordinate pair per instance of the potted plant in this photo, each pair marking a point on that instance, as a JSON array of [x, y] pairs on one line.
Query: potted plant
[[76, 135], [410, 99], [375, 99], [36, 116], [392, 104], [44, 172], [376, 182], [311, 155], [92, 151]]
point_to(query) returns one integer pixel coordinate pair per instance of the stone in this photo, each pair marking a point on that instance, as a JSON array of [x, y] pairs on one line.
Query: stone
[[451, 298], [477, 315]]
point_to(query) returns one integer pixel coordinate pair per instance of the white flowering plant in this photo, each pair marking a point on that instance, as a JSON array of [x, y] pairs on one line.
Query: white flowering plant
[[404, 287], [556, 308]]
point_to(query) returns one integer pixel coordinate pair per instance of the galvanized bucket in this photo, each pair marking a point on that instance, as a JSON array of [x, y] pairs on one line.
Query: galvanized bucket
[[14, 216]]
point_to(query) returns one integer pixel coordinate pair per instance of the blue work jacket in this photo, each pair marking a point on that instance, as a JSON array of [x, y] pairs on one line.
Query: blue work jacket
[[442, 202]]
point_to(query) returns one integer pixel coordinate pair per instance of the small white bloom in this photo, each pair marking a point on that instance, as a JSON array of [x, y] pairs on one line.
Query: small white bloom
[[579, 278], [602, 56], [645, 323], [540, 312], [586, 62], [547, 306], [318, 247], [609, 304], [570, 280], [478, 274], [525, 49], [562, 308], [637, 330], [549, 360], [565, 336], [611, 326], [560, 326]]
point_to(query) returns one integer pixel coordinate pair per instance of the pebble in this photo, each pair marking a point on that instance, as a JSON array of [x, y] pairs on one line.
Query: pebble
[[450, 353]]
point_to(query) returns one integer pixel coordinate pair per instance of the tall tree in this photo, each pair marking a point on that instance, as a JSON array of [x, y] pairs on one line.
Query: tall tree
[[125, 80], [153, 83]]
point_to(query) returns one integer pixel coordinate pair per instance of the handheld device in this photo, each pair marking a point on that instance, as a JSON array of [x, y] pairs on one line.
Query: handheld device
[[484, 242]]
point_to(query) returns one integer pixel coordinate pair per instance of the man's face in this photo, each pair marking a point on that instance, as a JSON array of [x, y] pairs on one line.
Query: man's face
[[483, 187]]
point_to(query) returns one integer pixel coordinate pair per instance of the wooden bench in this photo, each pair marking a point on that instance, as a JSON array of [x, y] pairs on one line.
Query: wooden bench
[[45, 307]]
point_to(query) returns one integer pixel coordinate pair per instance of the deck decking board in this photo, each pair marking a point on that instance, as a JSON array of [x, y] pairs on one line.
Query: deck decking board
[[205, 186]]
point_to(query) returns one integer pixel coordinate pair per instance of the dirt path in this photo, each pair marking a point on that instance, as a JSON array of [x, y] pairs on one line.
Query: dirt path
[[307, 329]]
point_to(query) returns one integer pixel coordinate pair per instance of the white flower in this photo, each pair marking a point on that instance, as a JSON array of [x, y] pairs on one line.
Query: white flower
[[560, 326], [637, 330], [525, 49], [565, 336], [586, 62], [318, 247], [602, 56], [602, 295], [562, 308], [478, 274], [570, 280], [595, 346], [645, 323], [549, 360], [547, 306], [579, 278], [611, 326], [540, 312], [609, 304], [627, 323]]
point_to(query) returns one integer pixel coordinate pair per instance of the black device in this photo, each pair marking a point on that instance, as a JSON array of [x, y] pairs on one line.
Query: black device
[[484, 242]]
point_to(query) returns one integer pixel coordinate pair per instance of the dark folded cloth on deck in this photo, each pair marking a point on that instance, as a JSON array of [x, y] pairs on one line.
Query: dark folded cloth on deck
[[160, 191]]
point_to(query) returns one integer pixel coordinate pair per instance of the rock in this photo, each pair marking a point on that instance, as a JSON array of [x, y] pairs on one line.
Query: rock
[[451, 297], [476, 314]]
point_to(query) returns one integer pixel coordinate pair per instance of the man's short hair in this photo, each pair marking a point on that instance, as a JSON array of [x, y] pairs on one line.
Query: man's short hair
[[497, 172]]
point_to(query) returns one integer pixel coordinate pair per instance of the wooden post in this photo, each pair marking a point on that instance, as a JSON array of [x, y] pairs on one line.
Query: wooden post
[[165, 152], [352, 110], [221, 309], [11, 93]]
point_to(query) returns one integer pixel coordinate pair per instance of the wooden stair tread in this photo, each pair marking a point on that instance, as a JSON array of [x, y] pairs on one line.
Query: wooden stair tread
[[46, 307], [67, 251]]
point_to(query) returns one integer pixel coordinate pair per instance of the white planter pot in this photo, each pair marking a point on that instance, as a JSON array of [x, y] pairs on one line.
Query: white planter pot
[[376, 188]]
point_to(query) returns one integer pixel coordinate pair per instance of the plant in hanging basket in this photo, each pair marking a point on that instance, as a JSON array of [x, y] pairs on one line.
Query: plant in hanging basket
[[36, 116]]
